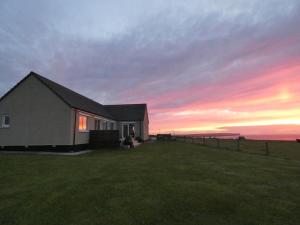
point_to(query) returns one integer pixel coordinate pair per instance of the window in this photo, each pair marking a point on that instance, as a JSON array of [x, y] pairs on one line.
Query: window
[[97, 124], [125, 130], [5, 121], [105, 125], [82, 123], [111, 126]]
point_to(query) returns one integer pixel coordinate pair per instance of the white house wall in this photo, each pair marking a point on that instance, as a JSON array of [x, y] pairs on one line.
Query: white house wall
[[37, 116], [145, 127]]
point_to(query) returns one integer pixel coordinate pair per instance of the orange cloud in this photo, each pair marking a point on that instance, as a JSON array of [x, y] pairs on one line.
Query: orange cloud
[[267, 100]]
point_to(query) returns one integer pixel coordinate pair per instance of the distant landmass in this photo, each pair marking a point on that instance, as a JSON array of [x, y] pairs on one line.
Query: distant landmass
[[228, 135], [273, 137]]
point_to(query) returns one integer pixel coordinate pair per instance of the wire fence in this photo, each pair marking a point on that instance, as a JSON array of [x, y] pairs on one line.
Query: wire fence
[[282, 149]]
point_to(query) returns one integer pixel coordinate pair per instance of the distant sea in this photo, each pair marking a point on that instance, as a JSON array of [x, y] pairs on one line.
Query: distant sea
[[279, 137], [273, 137]]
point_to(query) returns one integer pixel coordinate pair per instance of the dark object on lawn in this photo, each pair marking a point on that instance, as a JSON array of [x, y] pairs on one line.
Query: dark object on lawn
[[242, 138], [139, 139], [128, 141], [298, 140], [164, 137]]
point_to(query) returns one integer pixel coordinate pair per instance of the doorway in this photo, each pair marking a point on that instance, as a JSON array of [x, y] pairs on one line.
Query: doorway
[[128, 129]]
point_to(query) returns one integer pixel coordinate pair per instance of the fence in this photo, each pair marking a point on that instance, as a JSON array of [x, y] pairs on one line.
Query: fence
[[276, 148], [104, 138]]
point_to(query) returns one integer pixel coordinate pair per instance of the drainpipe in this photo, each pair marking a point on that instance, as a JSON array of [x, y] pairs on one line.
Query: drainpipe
[[141, 130], [75, 127]]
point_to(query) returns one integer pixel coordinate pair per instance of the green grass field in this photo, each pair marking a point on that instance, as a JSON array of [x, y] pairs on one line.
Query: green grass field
[[158, 183]]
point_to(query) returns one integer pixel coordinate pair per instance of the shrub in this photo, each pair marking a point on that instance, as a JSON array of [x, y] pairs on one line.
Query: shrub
[[128, 141]]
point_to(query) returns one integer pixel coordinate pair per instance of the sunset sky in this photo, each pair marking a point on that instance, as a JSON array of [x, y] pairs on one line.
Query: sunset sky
[[200, 65]]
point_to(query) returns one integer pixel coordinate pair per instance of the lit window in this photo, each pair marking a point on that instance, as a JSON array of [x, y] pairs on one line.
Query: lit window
[[82, 123], [5, 121]]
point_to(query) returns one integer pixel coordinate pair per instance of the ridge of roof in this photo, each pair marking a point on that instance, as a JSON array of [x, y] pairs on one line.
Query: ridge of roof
[[135, 104]]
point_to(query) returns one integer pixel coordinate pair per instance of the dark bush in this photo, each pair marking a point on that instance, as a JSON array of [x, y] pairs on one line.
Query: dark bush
[[128, 141]]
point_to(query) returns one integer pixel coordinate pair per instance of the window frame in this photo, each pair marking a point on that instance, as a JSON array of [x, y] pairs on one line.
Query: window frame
[[3, 118]]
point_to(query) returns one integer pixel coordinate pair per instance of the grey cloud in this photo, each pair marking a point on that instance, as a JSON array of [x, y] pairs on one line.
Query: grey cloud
[[158, 48]]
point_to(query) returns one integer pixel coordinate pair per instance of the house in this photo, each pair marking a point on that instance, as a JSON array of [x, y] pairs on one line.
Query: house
[[40, 113]]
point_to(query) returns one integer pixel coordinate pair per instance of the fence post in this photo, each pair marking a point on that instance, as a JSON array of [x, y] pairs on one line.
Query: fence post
[[238, 145], [218, 143], [267, 148], [204, 141]]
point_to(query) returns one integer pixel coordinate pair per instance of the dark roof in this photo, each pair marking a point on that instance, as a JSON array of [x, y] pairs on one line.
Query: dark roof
[[74, 100], [128, 112]]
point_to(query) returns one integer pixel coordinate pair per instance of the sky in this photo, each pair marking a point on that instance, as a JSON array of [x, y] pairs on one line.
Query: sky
[[200, 65]]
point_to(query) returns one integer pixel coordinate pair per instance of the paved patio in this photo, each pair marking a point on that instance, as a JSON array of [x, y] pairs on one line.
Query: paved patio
[[47, 153]]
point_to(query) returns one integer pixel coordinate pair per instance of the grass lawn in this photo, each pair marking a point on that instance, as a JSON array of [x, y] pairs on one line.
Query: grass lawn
[[158, 183]]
